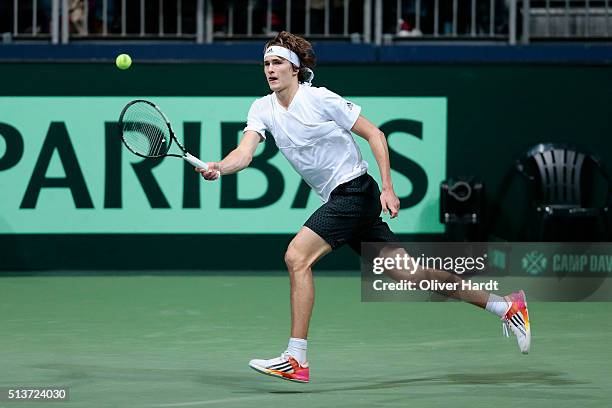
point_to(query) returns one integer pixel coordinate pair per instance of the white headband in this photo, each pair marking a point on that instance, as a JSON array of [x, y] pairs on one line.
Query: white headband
[[284, 53]]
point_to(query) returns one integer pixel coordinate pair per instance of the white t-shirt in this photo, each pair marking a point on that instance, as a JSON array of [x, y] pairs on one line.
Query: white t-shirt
[[314, 134]]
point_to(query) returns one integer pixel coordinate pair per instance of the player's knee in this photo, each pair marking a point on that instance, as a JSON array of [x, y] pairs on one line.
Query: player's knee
[[295, 260], [393, 252]]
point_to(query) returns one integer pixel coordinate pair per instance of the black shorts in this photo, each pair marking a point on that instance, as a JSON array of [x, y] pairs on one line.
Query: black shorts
[[352, 216]]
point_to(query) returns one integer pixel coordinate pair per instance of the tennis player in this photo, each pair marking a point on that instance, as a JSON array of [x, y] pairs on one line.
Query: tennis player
[[312, 128]]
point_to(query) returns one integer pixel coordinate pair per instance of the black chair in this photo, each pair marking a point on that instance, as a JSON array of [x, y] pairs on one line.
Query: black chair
[[462, 208], [556, 173]]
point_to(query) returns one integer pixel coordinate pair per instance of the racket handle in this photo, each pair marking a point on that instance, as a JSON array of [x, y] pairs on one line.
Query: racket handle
[[195, 162]]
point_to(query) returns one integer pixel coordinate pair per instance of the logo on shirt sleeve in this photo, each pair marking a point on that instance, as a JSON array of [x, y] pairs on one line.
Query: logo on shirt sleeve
[[349, 105]]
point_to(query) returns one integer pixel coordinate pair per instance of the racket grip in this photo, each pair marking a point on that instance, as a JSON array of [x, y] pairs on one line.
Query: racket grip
[[195, 162]]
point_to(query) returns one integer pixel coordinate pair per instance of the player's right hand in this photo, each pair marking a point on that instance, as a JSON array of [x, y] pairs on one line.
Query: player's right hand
[[213, 172]]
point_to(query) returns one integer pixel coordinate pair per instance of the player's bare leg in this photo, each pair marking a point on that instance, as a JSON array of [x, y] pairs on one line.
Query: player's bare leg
[[512, 309], [303, 252], [475, 297]]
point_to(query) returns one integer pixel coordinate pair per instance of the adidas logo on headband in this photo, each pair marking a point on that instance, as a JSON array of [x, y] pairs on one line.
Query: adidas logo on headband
[[283, 53]]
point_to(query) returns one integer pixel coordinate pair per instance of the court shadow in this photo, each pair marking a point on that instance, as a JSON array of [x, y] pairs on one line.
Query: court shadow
[[548, 378], [242, 382]]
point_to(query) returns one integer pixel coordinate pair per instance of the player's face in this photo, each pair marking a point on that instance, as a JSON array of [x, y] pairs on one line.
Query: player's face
[[280, 73]]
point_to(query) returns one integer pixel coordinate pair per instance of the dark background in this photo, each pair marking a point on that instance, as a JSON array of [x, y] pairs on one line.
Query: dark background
[[495, 112]]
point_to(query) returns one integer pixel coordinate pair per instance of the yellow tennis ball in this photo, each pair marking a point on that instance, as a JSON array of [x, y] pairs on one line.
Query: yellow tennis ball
[[123, 61]]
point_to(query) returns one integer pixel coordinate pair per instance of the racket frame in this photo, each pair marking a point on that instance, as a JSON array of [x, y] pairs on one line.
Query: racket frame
[[194, 161], [165, 118]]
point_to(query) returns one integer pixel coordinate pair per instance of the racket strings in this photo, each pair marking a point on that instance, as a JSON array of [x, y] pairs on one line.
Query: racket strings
[[145, 130]]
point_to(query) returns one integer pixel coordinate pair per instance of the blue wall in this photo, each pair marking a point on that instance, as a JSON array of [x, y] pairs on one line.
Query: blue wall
[[327, 52]]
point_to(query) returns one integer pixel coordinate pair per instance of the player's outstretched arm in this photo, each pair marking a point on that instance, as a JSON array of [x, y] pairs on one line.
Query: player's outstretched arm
[[378, 144], [236, 160]]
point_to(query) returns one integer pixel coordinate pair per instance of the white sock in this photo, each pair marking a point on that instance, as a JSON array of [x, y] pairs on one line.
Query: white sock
[[297, 349], [497, 305]]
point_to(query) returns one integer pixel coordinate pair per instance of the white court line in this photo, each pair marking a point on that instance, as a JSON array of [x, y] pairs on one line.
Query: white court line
[[208, 402]]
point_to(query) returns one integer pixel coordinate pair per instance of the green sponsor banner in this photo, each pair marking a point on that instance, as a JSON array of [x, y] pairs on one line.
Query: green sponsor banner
[[64, 170]]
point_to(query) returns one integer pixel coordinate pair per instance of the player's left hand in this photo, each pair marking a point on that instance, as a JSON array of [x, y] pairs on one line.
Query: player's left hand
[[389, 202]]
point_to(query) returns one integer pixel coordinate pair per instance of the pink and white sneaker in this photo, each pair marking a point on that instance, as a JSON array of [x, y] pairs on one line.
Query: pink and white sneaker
[[285, 367], [516, 320]]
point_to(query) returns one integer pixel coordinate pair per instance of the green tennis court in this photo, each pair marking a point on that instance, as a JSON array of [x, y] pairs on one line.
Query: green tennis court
[[184, 341]]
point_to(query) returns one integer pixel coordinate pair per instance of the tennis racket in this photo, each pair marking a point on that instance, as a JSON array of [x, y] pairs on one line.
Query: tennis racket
[[147, 132]]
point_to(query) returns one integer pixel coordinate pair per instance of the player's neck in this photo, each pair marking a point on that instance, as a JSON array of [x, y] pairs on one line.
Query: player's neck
[[285, 96]]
